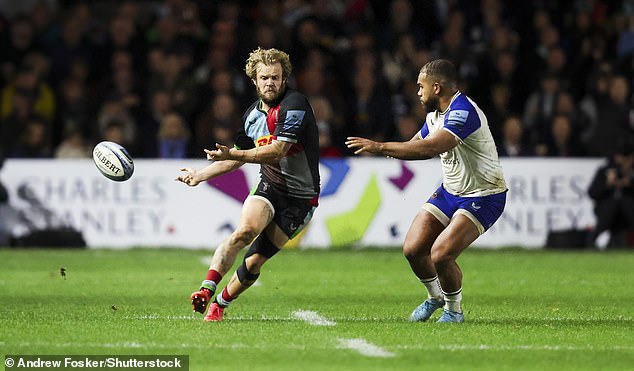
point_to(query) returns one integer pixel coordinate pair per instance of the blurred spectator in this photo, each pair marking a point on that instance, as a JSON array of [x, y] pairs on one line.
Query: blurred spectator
[[45, 27], [596, 92], [218, 124], [625, 45], [401, 62], [34, 140], [113, 117], [20, 42], [172, 76], [452, 44], [113, 131], [401, 21], [28, 85], [173, 137], [306, 37], [122, 36], [122, 86], [561, 142], [70, 46], [512, 143], [162, 34], [612, 190], [160, 106], [324, 116], [73, 114], [370, 113], [540, 108], [73, 145], [499, 109], [613, 118]]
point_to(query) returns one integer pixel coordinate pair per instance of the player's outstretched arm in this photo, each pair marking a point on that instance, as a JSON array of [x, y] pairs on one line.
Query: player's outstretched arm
[[421, 149], [192, 177], [271, 153]]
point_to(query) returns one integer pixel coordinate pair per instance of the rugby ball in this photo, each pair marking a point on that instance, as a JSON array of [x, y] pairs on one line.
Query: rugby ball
[[113, 161]]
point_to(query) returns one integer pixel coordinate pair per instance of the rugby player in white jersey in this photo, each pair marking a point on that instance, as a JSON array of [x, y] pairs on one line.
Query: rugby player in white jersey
[[470, 199]]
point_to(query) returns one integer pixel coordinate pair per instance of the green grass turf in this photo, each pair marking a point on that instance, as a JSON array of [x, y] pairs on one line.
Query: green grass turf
[[545, 310]]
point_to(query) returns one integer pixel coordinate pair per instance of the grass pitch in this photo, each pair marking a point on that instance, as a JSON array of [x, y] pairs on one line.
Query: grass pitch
[[324, 310]]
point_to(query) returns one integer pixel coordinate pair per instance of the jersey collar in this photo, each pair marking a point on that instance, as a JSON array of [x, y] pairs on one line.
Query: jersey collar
[[451, 101]]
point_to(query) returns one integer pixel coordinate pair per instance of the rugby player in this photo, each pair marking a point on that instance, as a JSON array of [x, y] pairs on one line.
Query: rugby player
[[280, 133], [470, 199]]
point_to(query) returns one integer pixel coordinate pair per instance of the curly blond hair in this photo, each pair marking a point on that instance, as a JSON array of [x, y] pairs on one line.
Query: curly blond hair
[[268, 57]]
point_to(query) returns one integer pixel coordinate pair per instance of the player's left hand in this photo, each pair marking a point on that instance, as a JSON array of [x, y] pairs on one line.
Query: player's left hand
[[221, 153], [363, 145]]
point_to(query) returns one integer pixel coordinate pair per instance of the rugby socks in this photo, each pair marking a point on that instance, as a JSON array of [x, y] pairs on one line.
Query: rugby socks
[[433, 287], [211, 280], [224, 298], [452, 300]]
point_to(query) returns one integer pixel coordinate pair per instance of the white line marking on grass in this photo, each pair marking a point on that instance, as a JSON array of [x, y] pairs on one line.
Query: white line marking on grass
[[199, 317], [156, 316], [364, 348], [531, 347], [312, 318]]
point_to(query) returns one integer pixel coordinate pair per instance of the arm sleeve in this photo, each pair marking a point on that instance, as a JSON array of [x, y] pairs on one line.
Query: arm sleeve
[[291, 119], [243, 141], [424, 131], [462, 122]]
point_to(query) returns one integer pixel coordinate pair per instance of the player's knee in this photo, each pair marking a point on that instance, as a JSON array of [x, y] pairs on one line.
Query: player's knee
[[413, 252], [243, 235], [439, 256], [409, 252]]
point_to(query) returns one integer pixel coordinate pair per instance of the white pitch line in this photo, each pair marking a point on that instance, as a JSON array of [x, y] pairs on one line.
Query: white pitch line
[[453, 348], [265, 346], [312, 318], [364, 348]]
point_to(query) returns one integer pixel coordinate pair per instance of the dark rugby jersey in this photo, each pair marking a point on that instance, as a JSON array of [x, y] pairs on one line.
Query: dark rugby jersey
[[292, 120]]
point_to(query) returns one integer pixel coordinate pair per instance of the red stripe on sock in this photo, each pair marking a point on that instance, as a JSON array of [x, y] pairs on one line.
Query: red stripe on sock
[[213, 275]]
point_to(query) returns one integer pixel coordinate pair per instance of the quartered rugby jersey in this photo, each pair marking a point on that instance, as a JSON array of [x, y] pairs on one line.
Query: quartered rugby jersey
[[472, 168], [292, 120]]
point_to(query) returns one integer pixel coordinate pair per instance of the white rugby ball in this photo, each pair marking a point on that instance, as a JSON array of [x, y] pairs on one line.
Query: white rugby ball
[[113, 161]]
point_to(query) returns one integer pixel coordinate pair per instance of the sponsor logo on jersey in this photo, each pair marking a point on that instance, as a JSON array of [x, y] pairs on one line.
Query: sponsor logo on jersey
[[262, 141], [457, 117]]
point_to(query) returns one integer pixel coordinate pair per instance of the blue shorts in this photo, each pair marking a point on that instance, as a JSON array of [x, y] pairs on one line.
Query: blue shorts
[[483, 211]]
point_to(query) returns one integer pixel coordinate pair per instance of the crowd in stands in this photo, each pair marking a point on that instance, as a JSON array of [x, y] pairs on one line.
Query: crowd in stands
[[166, 78]]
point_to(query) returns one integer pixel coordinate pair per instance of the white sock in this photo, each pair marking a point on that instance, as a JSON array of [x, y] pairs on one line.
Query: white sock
[[452, 300], [433, 287], [222, 302]]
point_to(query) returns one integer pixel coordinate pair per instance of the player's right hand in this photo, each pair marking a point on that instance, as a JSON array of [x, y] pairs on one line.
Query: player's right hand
[[189, 177]]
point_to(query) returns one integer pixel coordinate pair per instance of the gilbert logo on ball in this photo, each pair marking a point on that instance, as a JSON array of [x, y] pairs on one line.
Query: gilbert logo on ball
[[113, 161]]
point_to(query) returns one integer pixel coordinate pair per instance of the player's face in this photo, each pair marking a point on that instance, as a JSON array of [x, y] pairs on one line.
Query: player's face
[[427, 92], [269, 82]]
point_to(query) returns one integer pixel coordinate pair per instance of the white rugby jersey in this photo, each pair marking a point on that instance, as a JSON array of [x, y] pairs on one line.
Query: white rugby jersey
[[472, 168]]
